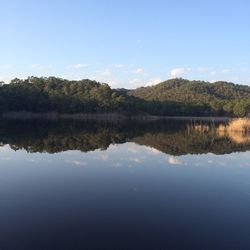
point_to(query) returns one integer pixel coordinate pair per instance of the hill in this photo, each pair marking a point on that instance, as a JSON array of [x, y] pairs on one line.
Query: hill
[[55, 94], [218, 98], [176, 97]]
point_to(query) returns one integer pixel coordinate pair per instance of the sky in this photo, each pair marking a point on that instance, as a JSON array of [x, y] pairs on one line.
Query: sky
[[126, 43]]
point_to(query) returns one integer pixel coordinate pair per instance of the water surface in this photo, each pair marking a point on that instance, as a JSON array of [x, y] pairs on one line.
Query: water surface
[[133, 185]]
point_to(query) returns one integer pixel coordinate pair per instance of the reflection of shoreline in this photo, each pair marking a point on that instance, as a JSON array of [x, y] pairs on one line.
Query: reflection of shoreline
[[168, 136], [236, 136], [22, 115]]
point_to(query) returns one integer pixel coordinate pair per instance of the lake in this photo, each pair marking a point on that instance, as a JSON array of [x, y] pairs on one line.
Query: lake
[[123, 185]]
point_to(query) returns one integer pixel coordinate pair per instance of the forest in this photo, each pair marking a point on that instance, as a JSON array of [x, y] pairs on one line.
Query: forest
[[175, 97]]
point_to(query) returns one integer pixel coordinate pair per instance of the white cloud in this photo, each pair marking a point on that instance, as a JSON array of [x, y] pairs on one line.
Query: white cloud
[[214, 80], [104, 157], [79, 163], [136, 160], [132, 150], [4, 79], [118, 65], [35, 66], [244, 69], [178, 72], [154, 151], [153, 81], [135, 82], [79, 66], [202, 69], [225, 71], [174, 161], [92, 78], [106, 72], [113, 83], [138, 70]]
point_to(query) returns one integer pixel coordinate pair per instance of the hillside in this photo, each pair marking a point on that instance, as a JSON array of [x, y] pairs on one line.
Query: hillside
[[55, 94], [176, 97], [219, 97]]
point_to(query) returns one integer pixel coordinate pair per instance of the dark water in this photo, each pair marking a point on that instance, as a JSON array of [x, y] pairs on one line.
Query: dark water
[[133, 185]]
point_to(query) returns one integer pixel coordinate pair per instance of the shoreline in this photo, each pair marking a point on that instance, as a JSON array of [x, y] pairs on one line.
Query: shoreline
[[106, 116]]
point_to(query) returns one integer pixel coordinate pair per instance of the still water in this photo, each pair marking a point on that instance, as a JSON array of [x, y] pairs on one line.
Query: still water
[[132, 185]]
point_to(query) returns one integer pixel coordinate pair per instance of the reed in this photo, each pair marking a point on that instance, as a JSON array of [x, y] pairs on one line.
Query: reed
[[237, 125], [238, 130]]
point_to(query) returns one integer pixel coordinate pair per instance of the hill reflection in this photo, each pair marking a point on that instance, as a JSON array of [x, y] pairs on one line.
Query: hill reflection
[[170, 137]]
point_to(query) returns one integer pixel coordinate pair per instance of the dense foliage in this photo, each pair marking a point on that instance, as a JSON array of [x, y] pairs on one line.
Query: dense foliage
[[219, 98], [176, 97], [54, 94]]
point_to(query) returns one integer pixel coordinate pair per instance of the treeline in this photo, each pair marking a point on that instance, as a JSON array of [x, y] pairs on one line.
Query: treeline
[[219, 98], [176, 97], [55, 94]]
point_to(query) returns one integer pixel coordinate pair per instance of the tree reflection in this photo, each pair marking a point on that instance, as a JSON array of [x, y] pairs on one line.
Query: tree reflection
[[170, 137]]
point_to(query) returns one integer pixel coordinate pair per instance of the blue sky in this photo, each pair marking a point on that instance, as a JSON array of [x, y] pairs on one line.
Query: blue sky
[[126, 43]]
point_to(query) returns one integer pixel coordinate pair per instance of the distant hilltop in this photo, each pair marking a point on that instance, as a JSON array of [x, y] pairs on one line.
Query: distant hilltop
[[175, 97]]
